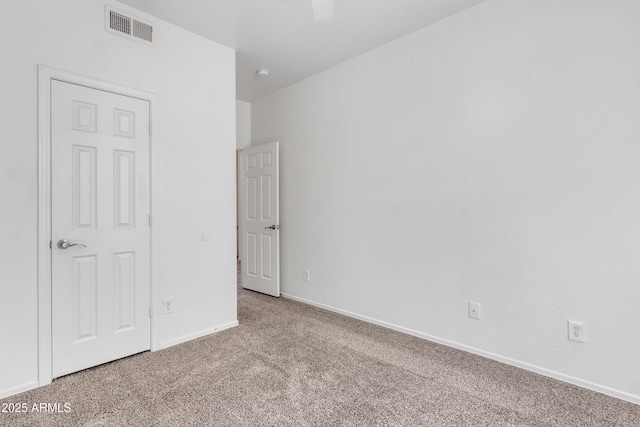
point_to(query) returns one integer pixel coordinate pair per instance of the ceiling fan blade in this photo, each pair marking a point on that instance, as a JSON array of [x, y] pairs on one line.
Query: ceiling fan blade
[[322, 10]]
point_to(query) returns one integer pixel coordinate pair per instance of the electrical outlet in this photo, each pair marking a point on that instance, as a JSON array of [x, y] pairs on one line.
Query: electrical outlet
[[305, 275], [576, 331], [167, 306], [474, 310]]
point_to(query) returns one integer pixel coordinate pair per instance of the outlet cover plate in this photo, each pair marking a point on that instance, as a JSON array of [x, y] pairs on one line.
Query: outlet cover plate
[[474, 310], [575, 330], [167, 306]]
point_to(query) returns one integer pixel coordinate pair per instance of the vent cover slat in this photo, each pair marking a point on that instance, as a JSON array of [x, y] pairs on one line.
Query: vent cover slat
[[128, 26], [142, 31], [119, 22]]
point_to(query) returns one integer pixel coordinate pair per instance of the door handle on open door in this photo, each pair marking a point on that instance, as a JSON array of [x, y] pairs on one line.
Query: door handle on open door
[[272, 227], [64, 244]]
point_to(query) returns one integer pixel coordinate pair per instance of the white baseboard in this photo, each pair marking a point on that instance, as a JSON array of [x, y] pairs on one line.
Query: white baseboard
[[185, 338], [513, 362], [18, 389]]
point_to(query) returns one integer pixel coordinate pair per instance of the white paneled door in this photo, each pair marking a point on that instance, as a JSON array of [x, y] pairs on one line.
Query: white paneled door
[[260, 219], [100, 227]]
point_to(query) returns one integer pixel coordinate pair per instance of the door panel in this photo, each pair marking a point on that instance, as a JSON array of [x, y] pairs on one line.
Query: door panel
[[265, 196], [260, 220], [84, 187], [125, 295], [100, 205], [124, 189], [84, 297]]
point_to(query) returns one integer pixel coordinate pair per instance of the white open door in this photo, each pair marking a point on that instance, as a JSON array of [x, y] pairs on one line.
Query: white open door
[[260, 225], [100, 205]]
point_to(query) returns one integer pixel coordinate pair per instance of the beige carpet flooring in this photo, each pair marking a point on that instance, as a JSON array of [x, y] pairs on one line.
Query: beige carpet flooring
[[289, 364]]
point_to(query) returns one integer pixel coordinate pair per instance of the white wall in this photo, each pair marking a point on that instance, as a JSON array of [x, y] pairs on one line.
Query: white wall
[[243, 139], [490, 157], [195, 81], [243, 124]]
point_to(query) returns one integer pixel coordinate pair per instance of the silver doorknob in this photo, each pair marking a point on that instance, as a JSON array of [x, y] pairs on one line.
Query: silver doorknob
[[272, 227], [65, 244]]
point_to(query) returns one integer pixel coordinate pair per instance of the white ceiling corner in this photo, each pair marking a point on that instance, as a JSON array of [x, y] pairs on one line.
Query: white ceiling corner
[[282, 35]]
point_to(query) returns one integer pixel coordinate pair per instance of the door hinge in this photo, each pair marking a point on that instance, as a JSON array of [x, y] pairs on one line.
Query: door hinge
[[50, 244], [151, 311], [150, 128], [150, 222]]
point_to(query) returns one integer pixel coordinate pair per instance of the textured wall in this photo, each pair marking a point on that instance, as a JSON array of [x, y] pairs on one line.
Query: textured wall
[[490, 157], [243, 124], [195, 81]]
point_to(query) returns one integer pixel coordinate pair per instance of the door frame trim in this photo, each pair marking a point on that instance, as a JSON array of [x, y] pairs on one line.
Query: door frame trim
[[45, 76]]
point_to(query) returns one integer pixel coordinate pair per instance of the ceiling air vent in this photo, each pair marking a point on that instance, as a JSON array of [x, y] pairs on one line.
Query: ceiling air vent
[[128, 26]]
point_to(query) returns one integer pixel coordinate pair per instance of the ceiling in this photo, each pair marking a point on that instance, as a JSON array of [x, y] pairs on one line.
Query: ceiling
[[281, 35]]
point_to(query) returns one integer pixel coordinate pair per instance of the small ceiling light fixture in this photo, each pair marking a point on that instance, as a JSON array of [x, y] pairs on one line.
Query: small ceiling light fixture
[[322, 10], [263, 72]]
